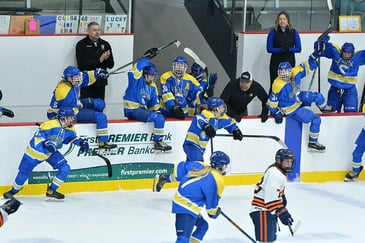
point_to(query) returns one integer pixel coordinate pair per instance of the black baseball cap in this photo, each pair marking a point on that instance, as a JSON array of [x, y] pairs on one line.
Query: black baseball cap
[[245, 77]]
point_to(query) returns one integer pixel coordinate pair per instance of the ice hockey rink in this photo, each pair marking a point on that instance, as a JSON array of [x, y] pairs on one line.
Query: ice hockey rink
[[328, 212]]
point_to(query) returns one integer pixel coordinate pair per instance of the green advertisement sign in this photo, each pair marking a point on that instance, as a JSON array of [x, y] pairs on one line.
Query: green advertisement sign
[[125, 171]]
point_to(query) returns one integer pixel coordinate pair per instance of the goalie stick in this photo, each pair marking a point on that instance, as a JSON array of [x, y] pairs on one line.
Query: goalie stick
[[116, 71], [296, 227], [277, 139], [237, 227], [325, 33], [195, 57]]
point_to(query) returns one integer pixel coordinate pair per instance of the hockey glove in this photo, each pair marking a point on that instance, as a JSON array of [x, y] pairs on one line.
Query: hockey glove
[[214, 216], [6, 112], [84, 146], [11, 206], [284, 216], [264, 116], [51, 147], [101, 73], [178, 113], [209, 130], [212, 80], [151, 53], [237, 134], [278, 116]]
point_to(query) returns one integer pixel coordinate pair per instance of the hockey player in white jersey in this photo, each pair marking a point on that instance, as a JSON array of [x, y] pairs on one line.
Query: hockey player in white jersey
[[269, 201]]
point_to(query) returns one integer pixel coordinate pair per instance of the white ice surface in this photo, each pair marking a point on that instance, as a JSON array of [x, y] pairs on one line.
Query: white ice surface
[[329, 212]]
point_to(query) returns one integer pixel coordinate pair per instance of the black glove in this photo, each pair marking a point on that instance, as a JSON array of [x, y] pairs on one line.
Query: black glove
[[11, 206], [177, 112], [6, 112], [51, 147], [84, 146], [214, 216], [237, 134], [209, 130], [151, 53], [264, 116], [284, 216]]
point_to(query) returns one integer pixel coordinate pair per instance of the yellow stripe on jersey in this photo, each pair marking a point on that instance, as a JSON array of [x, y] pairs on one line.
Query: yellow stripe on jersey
[[165, 76], [344, 79], [62, 90], [34, 154], [219, 180], [186, 203], [92, 77], [278, 85]]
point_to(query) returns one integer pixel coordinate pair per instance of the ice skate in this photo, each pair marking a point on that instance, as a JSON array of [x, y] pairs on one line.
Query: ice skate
[[8, 194], [328, 109], [352, 176], [161, 146], [158, 182], [54, 194], [316, 147], [107, 145]]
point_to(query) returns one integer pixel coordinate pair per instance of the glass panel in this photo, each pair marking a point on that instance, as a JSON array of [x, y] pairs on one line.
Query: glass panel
[[67, 16]]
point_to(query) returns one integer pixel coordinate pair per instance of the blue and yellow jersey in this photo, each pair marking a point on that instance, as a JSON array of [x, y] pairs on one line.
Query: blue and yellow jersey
[[184, 167], [67, 95], [343, 73], [197, 136], [50, 130], [196, 192], [138, 93], [184, 92], [284, 94]]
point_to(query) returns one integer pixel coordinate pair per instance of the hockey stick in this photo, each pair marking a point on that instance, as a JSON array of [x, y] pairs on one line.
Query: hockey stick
[[108, 164], [296, 227], [277, 139], [193, 55], [115, 71], [238, 227], [328, 30]]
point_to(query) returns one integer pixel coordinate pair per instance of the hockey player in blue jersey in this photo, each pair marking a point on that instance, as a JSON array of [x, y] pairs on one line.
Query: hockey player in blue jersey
[[201, 185], [269, 200], [141, 101], [43, 147], [286, 99], [357, 154], [343, 73], [202, 128], [207, 82], [179, 91], [67, 93]]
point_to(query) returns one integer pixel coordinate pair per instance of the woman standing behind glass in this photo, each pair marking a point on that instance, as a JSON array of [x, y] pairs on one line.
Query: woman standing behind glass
[[282, 42]]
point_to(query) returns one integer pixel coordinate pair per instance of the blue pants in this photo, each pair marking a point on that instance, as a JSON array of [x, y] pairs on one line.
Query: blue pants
[[90, 115], [265, 225], [308, 97], [145, 115], [27, 164], [93, 103], [305, 116], [193, 152], [358, 151], [346, 97], [184, 224]]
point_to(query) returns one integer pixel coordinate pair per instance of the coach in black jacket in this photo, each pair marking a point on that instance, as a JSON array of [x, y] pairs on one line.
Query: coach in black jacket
[[239, 92], [92, 52]]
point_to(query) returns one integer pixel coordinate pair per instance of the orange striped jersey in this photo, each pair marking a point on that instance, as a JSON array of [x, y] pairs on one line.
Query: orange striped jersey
[[269, 191]]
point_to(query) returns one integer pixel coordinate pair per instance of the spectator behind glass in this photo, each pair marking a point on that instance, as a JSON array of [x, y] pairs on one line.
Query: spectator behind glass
[[282, 42], [92, 52], [239, 92]]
